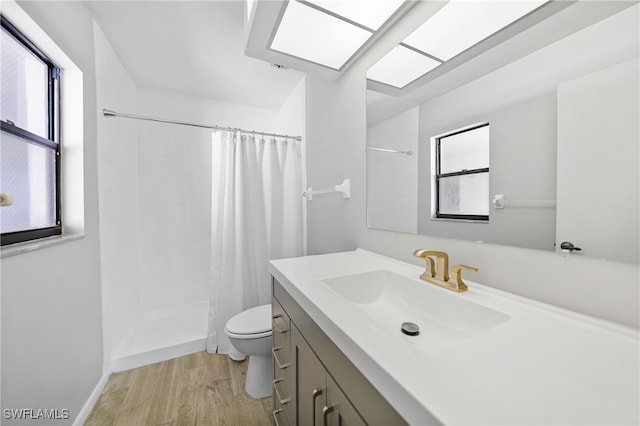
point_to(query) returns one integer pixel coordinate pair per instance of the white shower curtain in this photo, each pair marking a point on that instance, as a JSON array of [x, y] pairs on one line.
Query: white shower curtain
[[256, 215]]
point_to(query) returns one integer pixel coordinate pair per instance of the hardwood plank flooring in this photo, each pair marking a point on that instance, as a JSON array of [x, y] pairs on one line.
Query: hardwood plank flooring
[[197, 389]]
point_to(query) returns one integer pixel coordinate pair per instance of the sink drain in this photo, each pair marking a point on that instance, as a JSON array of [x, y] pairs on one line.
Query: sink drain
[[410, 329]]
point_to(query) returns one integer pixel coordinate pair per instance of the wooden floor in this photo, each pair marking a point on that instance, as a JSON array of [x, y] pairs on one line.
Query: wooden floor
[[202, 389]]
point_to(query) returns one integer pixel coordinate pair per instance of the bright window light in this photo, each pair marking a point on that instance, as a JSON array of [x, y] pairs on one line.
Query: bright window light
[[400, 67], [370, 13], [315, 36], [249, 9], [461, 24]]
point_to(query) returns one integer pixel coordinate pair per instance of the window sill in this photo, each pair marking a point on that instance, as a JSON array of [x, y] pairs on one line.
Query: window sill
[[442, 219], [28, 246]]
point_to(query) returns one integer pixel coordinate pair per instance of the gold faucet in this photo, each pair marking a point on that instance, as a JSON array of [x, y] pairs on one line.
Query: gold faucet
[[441, 271], [439, 274]]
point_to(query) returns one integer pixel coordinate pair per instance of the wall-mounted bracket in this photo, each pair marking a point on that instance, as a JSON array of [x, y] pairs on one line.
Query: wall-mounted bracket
[[344, 188]]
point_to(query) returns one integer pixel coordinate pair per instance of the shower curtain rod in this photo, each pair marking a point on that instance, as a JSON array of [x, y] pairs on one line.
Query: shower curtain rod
[[110, 113]]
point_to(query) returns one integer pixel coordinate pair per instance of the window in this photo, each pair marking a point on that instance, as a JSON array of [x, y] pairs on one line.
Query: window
[[462, 174], [29, 146]]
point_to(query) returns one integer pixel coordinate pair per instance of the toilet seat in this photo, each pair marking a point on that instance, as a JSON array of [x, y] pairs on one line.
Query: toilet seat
[[253, 323]]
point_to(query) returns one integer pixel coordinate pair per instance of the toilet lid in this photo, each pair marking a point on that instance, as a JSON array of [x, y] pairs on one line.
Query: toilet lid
[[252, 321]]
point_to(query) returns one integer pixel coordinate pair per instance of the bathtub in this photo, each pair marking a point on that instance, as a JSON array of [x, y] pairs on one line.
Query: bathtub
[[164, 334]]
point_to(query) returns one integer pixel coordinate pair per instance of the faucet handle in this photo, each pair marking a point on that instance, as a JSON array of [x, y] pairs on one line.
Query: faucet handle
[[456, 275], [442, 269], [425, 252], [431, 265]]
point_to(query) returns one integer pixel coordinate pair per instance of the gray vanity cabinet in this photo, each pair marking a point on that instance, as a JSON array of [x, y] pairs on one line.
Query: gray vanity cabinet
[[319, 399], [314, 381]]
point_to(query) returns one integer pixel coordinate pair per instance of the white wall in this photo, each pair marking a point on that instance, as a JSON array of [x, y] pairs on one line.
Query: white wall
[[336, 138], [291, 118], [336, 132], [118, 194], [51, 311]]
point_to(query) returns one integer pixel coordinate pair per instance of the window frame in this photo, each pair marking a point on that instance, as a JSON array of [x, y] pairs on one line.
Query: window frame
[[52, 142], [438, 175]]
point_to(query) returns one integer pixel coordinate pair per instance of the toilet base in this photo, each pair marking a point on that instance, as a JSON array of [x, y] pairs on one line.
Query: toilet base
[[258, 382]]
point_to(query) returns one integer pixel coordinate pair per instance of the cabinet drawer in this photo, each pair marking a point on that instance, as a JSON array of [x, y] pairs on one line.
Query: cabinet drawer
[[283, 385], [280, 416], [281, 332]]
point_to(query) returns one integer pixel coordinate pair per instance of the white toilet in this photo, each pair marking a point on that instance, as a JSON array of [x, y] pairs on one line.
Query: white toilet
[[250, 333]]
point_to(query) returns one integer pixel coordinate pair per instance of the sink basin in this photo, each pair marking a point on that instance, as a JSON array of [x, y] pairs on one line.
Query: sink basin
[[386, 300]]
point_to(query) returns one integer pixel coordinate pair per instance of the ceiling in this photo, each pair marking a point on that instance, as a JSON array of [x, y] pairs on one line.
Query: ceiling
[[194, 48]]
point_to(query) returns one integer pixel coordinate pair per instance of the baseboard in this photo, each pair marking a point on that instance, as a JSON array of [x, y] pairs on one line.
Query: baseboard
[[82, 416], [157, 355]]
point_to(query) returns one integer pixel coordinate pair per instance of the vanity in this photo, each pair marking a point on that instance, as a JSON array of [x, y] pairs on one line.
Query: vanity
[[482, 356]]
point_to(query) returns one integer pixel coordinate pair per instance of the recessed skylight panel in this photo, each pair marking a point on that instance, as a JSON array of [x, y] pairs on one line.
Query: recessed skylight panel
[[318, 37], [250, 5], [400, 67], [369, 13], [461, 24]]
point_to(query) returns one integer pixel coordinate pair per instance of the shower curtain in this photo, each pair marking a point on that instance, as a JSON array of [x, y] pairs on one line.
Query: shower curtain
[[256, 215]]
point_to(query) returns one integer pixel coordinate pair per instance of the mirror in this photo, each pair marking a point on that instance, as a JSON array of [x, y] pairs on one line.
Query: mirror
[[561, 99]]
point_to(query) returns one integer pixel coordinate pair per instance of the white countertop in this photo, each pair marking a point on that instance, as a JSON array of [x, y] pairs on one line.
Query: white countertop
[[544, 365]]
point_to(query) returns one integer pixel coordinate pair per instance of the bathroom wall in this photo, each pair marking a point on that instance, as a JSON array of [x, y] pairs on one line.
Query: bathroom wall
[[51, 313], [336, 131], [336, 137], [118, 194]]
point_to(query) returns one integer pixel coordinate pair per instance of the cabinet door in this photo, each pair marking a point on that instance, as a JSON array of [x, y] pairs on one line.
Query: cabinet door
[[338, 410], [310, 379]]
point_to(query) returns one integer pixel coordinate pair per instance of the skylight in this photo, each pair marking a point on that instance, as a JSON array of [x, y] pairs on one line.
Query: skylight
[[249, 8], [457, 26], [461, 24], [401, 66], [329, 32], [371, 14]]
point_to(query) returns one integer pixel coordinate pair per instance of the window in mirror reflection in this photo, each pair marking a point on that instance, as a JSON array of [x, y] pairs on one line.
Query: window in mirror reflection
[[461, 175]]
